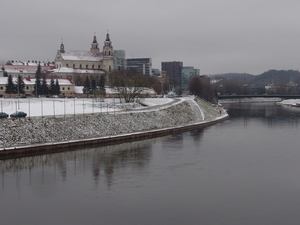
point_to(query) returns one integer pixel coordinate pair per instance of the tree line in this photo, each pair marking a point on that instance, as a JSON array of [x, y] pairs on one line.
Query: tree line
[[269, 82], [40, 87]]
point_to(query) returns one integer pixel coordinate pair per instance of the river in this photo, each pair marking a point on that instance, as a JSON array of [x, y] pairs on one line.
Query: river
[[242, 171]]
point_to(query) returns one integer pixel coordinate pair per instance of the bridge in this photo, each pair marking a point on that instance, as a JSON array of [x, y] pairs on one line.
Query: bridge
[[282, 96]]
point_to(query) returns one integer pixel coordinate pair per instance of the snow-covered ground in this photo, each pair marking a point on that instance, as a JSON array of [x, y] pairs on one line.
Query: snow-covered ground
[[71, 106], [290, 102]]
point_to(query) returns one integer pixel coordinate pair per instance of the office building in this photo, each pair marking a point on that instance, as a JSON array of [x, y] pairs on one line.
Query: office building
[[119, 60], [173, 70], [141, 65]]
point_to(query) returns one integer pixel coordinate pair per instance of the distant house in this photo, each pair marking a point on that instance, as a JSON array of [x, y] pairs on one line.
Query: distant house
[[66, 86], [25, 69]]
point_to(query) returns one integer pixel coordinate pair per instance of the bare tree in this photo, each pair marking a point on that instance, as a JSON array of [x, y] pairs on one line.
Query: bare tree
[[128, 84]]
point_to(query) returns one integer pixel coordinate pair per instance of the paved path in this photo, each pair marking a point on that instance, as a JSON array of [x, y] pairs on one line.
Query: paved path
[[199, 115], [175, 100]]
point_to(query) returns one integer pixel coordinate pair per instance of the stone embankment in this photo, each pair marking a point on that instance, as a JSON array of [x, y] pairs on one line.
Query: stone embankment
[[37, 131]]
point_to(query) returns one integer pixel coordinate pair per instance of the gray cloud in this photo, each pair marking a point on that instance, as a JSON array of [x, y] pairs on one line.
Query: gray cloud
[[215, 36]]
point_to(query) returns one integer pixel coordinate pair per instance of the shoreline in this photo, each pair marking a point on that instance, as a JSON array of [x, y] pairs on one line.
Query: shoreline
[[145, 125]]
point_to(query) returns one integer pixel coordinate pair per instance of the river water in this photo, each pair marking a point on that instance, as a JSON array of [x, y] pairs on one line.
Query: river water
[[242, 171]]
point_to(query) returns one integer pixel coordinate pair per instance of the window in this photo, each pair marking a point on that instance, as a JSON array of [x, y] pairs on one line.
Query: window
[[27, 88], [108, 52], [92, 66], [68, 88], [98, 66], [67, 65], [63, 88], [86, 66], [80, 66], [1, 88], [73, 66]]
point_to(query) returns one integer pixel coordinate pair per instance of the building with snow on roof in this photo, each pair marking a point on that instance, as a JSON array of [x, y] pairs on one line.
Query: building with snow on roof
[[25, 69], [66, 87], [93, 62]]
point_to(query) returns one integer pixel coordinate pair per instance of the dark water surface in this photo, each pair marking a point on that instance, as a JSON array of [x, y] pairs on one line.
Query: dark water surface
[[242, 171]]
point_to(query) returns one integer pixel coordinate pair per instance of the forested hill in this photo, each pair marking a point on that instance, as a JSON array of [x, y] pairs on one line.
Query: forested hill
[[271, 76], [239, 77], [278, 76]]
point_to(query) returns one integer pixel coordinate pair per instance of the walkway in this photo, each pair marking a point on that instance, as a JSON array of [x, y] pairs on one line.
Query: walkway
[[199, 115]]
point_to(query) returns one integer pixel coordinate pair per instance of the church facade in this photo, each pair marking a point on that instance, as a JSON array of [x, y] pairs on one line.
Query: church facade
[[80, 62]]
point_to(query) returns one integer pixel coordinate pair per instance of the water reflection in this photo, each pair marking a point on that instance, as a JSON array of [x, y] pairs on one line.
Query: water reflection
[[242, 171], [100, 161], [267, 113], [197, 134]]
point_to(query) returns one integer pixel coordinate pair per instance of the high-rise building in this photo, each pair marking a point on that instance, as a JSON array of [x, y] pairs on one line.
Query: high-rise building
[[141, 65], [173, 70], [119, 60], [186, 74]]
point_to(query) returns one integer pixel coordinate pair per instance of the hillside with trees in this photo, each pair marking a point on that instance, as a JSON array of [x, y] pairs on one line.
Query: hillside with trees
[[279, 81]]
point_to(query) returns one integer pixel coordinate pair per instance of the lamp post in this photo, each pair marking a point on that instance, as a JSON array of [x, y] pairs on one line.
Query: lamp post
[[19, 91]]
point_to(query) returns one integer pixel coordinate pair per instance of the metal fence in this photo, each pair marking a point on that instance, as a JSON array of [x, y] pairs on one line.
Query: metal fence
[[62, 107]]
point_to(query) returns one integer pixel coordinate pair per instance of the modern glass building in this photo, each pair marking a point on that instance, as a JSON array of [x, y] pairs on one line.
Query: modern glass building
[[141, 65], [119, 60], [156, 72], [173, 70], [187, 73]]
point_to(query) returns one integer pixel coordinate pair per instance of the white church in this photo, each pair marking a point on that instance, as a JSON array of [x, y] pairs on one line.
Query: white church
[[71, 62]]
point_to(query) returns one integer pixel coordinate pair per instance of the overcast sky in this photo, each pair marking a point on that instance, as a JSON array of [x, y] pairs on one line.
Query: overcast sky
[[215, 36]]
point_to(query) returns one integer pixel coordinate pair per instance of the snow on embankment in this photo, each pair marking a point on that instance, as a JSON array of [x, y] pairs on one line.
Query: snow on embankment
[[290, 102], [39, 130], [207, 109]]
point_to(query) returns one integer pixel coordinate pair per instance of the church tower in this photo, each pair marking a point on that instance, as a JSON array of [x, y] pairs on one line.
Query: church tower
[[108, 55], [95, 47], [62, 47]]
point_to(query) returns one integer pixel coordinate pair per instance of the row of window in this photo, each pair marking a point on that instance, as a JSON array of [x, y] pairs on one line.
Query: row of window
[[80, 66], [27, 88]]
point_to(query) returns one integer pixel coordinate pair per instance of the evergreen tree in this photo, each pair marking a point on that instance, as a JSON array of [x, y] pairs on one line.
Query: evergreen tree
[[93, 85], [37, 85], [52, 87], [57, 88], [87, 86], [20, 87], [102, 82], [10, 86], [44, 87]]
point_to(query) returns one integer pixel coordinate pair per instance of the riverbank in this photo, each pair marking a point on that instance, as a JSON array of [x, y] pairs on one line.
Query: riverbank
[[50, 134], [290, 102]]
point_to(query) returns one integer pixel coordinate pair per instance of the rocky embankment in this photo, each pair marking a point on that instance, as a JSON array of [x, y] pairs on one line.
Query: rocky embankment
[[38, 130]]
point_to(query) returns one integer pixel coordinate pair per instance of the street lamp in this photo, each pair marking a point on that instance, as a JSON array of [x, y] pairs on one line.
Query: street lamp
[[19, 79]]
